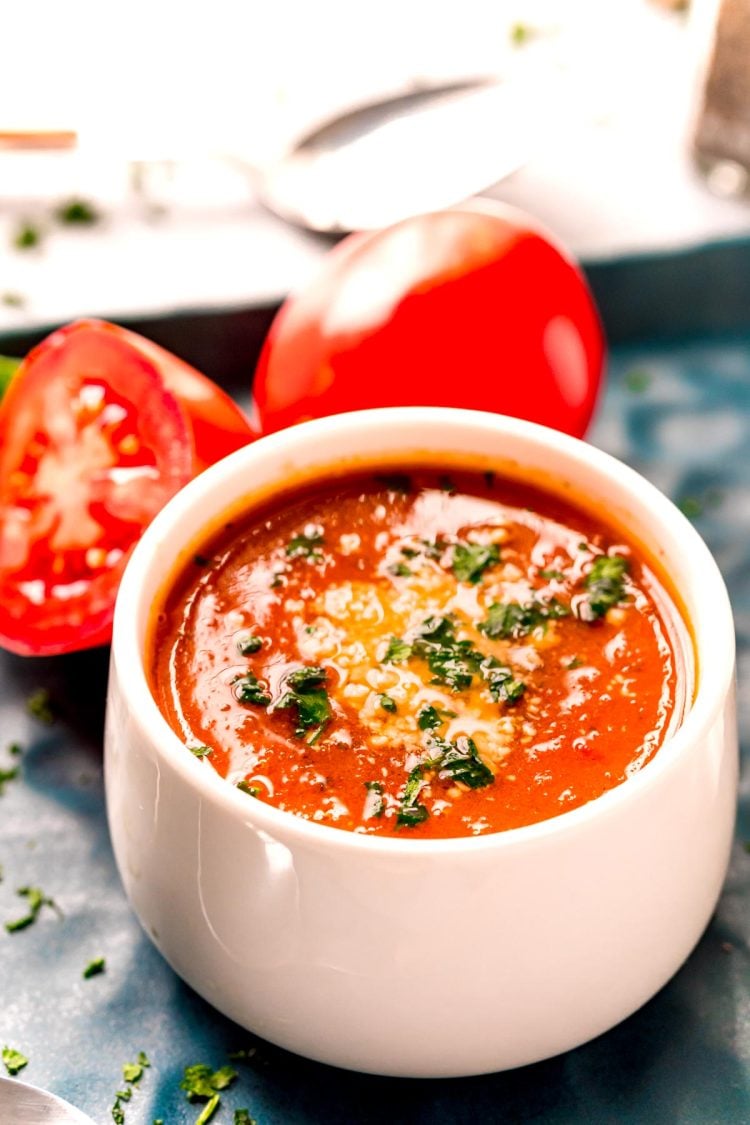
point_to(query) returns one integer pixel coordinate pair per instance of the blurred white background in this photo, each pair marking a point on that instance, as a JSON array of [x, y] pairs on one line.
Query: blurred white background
[[174, 104]]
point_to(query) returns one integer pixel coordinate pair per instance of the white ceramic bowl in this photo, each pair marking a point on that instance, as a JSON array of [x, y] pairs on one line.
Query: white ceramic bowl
[[424, 958]]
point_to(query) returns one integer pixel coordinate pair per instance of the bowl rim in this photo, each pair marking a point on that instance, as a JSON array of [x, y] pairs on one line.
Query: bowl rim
[[714, 677]]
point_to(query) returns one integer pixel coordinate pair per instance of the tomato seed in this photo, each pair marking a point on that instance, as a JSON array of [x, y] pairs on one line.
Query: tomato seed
[[129, 445]]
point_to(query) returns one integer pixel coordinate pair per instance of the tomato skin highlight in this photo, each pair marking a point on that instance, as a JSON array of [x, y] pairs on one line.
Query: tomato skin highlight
[[473, 307], [98, 429]]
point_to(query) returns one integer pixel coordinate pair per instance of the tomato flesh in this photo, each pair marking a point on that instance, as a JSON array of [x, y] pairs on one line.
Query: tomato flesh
[[92, 445], [469, 308], [218, 426]]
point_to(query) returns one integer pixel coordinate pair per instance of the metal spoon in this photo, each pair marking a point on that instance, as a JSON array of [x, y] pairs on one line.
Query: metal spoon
[[21, 1104], [417, 152]]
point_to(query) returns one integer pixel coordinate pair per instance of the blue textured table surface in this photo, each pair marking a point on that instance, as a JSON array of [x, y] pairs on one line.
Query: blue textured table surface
[[679, 412]]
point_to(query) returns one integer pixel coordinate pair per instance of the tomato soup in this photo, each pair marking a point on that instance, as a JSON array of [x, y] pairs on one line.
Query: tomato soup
[[420, 654]]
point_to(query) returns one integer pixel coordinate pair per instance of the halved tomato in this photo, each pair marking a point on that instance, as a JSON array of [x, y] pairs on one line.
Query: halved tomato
[[98, 429]]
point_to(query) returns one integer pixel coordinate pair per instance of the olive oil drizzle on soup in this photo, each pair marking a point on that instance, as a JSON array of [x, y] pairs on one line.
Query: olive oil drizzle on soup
[[420, 655]]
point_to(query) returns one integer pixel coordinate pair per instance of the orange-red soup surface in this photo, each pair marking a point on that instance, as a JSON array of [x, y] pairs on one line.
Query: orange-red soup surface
[[420, 655]]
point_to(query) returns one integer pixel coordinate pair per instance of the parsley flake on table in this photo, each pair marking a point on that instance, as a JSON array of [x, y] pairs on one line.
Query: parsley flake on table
[[36, 899], [13, 1060], [242, 1117], [77, 212], [39, 706], [13, 300], [27, 235], [6, 776], [132, 1074], [637, 381], [94, 968], [202, 1083]]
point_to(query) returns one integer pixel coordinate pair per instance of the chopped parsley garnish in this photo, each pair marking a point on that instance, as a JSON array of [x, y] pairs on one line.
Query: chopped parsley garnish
[[388, 703], [94, 968], [557, 575], [400, 570], [503, 688], [454, 663], [433, 548], [470, 560], [39, 706], [395, 482], [460, 761], [513, 620], [201, 751], [411, 812], [27, 235], [305, 693], [306, 544], [279, 579], [397, 652], [13, 1060], [457, 761], [605, 586], [429, 718], [77, 212], [451, 661], [374, 803], [249, 689], [248, 644], [574, 663], [246, 787], [409, 552], [36, 899]]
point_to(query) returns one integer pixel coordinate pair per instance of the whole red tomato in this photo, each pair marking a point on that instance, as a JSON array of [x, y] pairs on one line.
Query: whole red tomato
[[98, 428], [473, 307]]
